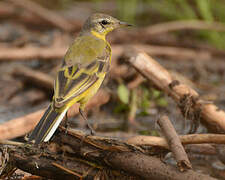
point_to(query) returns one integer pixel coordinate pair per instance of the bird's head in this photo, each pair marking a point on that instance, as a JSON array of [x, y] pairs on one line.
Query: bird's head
[[102, 24]]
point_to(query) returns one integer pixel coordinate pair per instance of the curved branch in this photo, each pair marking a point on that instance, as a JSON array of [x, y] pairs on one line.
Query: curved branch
[[185, 139], [182, 25]]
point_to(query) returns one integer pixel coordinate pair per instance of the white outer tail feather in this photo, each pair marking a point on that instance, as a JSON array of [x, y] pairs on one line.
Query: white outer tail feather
[[55, 126]]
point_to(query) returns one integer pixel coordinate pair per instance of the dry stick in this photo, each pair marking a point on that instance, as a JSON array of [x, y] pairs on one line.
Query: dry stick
[[118, 155], [6, 10], [9, 11], [184, 96], [43, 53], [168, 41], [28, 53], [207, 149], [197, 141], [110, 154], [35, 77], [185, 139], [125, 157], [150, 167], [49, 167], [136, 82], [180, 25], [22, 125], [174, 142], [175, 52], [45, 14]]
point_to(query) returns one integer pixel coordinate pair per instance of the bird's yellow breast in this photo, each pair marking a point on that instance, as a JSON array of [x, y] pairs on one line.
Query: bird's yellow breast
[[86, 95]]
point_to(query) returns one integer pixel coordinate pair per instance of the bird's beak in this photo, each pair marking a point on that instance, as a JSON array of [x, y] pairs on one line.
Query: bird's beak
[[124, 24]]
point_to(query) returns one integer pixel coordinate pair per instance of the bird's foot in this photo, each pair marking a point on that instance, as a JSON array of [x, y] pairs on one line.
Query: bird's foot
[[91, 130], [66, 123]]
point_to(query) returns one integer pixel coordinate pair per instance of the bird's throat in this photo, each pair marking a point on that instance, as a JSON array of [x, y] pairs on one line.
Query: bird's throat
[[98, 35]]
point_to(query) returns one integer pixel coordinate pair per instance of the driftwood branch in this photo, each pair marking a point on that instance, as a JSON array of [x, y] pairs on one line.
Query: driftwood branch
[[55, 52], [45, 14], [174, 142], [9, 11], [34, 77], [187, 99], [28, 53], [183, 25], [90, 156], [22, 125], [176, 53], [185, 139]]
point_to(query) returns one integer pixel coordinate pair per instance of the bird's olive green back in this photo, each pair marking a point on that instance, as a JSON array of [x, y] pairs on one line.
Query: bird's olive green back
[[85, 49], [86, 58]]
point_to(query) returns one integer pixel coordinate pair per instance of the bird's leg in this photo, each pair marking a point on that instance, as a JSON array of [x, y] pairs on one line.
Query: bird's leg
[[86, 120], [66, 122]]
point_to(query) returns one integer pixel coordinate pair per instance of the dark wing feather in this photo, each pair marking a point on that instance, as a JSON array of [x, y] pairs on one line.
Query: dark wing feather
[[73, 80], [69, 86]]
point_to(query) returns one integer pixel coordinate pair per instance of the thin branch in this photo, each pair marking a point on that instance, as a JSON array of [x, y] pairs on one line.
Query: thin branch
[[174, 142], [14, 143], [176, 53], [66, 170], [6, 10], [185, 139], [22, 125], [187, 99], [34, 77], [45, 14], [31, 19], [182, 25], [48, 53], [27, 53]]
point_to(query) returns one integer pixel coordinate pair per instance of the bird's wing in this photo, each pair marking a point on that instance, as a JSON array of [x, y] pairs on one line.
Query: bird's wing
[[74, 80]]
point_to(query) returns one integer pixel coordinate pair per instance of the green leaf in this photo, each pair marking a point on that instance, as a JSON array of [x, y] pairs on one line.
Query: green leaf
[[121, 108], [123, 93], [154, 133], [162, 102], [144, 132], [155, 93]]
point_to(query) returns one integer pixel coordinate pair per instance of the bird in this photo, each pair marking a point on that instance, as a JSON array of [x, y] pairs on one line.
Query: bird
[[84, 67]]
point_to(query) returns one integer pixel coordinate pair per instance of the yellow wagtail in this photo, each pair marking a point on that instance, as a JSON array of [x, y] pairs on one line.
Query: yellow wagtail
[[83, 69]]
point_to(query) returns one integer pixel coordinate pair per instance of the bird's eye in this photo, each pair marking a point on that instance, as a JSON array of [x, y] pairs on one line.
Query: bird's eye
[[104, 22]]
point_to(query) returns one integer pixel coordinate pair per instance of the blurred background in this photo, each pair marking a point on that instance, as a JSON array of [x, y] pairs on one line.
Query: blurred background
[[186, 36], [148, 12]]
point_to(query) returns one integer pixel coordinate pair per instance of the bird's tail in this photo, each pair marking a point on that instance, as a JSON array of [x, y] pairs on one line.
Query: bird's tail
[[47, 125]]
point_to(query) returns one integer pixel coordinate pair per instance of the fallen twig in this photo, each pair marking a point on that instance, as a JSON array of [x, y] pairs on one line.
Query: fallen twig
[[19, 126], [187, 99], [136, 82], [43, 53], [29, 18], [22, 125], [206, 149], [45, 14], [174, 142], [27, 53], [176, 53], [35, 77], [181, 25], [185, 139], [96, 154], [6, 10], [14, 143]]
